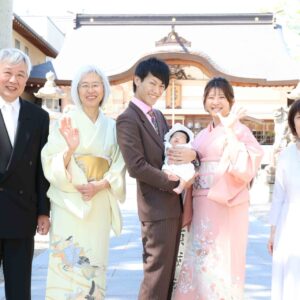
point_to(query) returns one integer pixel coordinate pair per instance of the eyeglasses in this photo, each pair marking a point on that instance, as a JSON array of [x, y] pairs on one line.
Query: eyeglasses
[[92, 86]]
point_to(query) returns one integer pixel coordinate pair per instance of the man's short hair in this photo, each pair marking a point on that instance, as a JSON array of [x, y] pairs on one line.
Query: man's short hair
[[154, 66]]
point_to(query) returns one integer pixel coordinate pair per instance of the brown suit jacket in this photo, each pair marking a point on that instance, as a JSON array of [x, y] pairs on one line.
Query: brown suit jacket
[[143, 152]]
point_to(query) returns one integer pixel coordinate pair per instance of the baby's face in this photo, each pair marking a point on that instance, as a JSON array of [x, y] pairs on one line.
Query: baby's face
[[178, 138]]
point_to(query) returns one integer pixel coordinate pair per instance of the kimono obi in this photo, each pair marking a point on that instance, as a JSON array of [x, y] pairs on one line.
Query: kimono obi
[[94, 167], [204, 178]]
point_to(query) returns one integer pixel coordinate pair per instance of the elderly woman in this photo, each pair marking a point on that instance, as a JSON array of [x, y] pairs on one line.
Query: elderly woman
[[86, 172], [284, 243]]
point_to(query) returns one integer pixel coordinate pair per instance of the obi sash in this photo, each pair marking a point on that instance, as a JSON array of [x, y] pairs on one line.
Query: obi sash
[[94, 167]]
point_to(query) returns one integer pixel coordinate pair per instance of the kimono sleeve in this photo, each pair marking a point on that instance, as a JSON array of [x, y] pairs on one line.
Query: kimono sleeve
[[279, 193], [239, 163], [116, 173], [63, 181], [53, 161], [244, 155]]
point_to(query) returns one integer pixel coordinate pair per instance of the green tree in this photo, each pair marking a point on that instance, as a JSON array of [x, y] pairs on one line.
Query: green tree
[[287, 14]]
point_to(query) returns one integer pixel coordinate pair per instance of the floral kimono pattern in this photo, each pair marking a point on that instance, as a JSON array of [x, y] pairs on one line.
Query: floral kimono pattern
[[80, 230], [214, 262]]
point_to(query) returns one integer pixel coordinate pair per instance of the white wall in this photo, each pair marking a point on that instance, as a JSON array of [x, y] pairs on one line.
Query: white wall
[[47, 29], [6, 23]]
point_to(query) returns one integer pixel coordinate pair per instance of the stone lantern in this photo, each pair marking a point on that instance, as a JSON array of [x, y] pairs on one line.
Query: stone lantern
[[50, 94], [283, 135], [295, 93]]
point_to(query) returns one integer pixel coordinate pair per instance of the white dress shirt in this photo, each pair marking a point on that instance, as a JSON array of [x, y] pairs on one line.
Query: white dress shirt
[[10, 112]]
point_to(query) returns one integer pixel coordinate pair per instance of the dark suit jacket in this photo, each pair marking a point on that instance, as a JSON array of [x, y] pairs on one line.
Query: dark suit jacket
[[23, 186], [143, 152]]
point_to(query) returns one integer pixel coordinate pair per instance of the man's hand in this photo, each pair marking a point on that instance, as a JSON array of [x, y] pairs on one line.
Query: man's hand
[[173, 177], [180, 155], [191, 181], [43, 224]]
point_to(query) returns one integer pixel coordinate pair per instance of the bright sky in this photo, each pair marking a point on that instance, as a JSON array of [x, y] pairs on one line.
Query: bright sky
[[62, 11], [65, 9], [59, 7]]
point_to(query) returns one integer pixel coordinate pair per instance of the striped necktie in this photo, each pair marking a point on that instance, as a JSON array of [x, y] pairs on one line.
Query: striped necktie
[[153, 120]]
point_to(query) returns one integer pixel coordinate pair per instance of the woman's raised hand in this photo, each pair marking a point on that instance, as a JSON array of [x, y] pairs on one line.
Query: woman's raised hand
[[235, 114], [70, 134]]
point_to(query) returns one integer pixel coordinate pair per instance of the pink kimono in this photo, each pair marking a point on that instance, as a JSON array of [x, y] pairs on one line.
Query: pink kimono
[[214, 261]]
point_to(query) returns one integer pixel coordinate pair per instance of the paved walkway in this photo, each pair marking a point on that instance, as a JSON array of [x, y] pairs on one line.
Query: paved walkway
[[125, 268]]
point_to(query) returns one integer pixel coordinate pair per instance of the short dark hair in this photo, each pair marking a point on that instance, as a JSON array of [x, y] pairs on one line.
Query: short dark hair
[[156, 67], [294, 109], [187, 136], [222, 84]]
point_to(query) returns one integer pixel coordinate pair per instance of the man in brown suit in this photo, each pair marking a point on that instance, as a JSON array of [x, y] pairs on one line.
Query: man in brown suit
[[140, 133]]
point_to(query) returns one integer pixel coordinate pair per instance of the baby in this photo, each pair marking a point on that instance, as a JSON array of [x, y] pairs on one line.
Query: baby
[[179, 136]]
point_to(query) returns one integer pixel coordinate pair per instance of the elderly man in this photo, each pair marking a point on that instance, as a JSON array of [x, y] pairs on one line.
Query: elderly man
[[24, 207]]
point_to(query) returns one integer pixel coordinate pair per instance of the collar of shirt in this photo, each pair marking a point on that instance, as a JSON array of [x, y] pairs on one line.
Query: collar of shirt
[[10, 120], [15, 104], [142, 106]]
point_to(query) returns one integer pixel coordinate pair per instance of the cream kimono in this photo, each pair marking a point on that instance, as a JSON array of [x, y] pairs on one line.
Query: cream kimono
[[214, 263], [79, 237]]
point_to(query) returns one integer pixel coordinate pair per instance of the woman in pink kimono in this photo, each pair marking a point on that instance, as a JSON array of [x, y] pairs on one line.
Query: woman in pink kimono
[[214, 261]]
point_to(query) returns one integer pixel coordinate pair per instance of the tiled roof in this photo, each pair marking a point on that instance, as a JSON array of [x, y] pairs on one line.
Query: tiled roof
[[245, 48], [27, 32]]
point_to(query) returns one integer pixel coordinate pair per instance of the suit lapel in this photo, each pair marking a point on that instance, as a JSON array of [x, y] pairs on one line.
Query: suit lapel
[[148, 126], [24, 131], [5, 146]]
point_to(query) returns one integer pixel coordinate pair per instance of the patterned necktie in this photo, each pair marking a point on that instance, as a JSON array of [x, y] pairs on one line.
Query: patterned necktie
[[153, 120]]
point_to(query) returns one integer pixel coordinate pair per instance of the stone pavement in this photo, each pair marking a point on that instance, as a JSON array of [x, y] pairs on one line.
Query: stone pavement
[[125, 267]]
